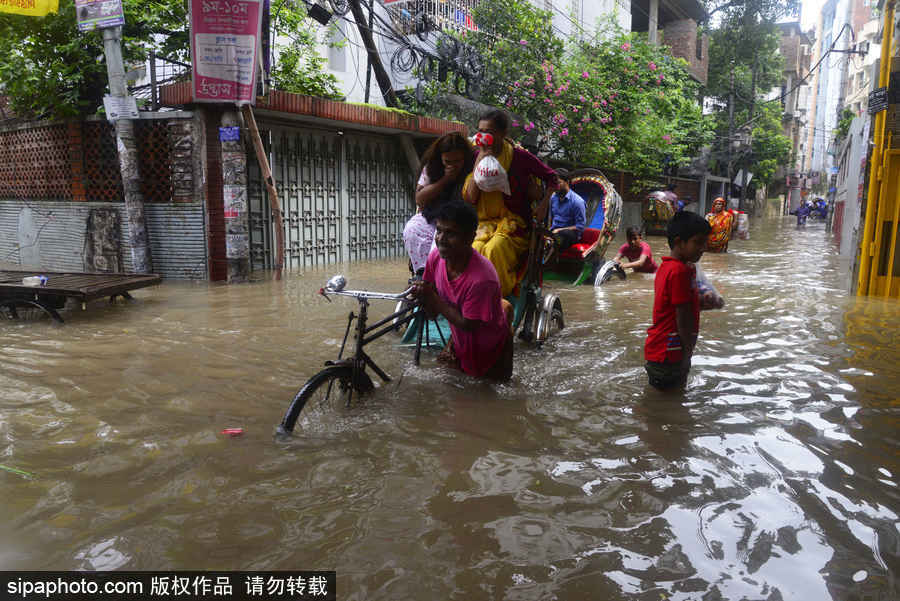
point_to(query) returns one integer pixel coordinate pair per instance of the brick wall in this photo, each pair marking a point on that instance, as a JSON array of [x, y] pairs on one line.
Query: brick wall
[[681, 37], [790, 50]]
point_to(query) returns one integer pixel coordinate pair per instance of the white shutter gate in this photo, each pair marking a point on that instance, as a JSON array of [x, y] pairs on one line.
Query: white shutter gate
[[343, 197], [380, 196]]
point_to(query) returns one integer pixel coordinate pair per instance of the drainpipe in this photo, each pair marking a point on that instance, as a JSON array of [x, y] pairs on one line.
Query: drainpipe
[[867, 246], [654, 23]]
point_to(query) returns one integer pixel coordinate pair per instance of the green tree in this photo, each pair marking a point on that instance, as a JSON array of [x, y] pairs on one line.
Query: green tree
[[745, 64], [613, 101], [299, 67], [843, 125], [50, 69]]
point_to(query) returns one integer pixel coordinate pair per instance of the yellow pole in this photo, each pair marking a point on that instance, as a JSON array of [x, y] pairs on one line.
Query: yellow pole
[[867, 244], [890, 263]]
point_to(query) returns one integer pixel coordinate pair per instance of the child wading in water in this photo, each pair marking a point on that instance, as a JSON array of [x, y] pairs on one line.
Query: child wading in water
[[676, 306]]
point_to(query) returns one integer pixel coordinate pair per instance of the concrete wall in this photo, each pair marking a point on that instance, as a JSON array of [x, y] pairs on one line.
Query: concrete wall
[[850, 188], [53, 236]]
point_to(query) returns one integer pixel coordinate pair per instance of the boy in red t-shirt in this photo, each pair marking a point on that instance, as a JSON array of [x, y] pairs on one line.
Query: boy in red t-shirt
[[676, 305]]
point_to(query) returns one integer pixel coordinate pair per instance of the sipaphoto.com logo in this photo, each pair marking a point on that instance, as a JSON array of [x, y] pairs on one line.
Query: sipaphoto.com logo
[[71, 586]]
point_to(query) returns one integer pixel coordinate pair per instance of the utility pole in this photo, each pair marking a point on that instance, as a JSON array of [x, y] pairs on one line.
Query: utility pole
[[743, 201], [381, 76], [369, 60], [730, 134], [138, 241]]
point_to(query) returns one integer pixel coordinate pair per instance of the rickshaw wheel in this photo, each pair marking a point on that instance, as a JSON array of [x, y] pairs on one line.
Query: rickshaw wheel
[[551, 318]]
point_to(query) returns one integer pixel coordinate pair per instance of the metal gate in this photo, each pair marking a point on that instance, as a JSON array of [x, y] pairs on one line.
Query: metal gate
[[344, 197]]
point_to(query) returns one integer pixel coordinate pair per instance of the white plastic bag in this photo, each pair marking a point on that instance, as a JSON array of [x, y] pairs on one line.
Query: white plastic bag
[[709, 296], [490, 176]]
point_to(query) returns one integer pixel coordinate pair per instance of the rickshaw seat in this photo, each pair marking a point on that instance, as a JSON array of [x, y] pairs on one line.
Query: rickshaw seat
[[580, 250]]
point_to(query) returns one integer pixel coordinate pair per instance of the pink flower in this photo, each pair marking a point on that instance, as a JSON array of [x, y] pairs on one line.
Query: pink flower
[[516, 123], [529, 126], [531, 94], [523, 42], [581, 97], [515, 83], [626, 46], [652, 66], [667, 138], [548, 101], [603, 102], [611, 148], [564, 132], [585, 74]]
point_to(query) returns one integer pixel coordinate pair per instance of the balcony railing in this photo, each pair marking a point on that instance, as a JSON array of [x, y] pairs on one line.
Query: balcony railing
[[420, 16]]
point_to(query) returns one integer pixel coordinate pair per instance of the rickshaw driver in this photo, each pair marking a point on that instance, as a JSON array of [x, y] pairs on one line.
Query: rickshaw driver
[[567, 211], [462, 285]]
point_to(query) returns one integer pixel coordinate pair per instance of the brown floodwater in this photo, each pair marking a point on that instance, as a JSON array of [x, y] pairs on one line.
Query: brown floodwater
[[774, 476]]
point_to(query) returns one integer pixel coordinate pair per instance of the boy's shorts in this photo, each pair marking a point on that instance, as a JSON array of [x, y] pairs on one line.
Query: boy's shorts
[[665, 376]]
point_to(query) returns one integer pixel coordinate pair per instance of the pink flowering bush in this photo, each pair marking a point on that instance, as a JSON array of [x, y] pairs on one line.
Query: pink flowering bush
[[616, 102]]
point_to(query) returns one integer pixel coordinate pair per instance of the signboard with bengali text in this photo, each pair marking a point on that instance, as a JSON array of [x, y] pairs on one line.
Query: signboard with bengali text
[[224, 46], [98, 14]]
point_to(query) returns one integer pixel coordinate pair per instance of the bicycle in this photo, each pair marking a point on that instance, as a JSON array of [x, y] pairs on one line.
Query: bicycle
[[350, 373]]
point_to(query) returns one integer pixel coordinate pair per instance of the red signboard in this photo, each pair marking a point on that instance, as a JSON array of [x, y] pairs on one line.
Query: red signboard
[[224, 43]]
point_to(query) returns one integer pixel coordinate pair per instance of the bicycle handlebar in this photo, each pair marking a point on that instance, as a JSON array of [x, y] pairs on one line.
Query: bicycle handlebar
[[365, 294]]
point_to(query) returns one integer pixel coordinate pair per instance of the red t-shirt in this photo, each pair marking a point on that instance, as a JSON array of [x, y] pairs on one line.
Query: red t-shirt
[[476, 293], [675, 285], [633, 254]]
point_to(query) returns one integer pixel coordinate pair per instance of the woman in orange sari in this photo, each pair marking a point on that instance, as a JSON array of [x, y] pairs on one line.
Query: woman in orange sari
[[722, 223]]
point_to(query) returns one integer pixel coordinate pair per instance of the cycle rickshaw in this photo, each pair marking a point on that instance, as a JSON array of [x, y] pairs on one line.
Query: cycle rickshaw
[[603, 213], [538, 314]]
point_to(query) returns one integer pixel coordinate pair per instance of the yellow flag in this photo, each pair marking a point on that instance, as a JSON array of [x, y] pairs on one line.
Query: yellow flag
[[29, 8]]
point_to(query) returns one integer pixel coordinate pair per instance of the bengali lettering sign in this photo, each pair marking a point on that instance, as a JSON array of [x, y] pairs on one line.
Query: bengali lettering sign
[[98, 14], [224, 42], [878, 100]]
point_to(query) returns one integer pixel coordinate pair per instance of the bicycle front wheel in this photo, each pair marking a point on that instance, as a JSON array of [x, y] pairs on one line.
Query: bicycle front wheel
[[330, 388]]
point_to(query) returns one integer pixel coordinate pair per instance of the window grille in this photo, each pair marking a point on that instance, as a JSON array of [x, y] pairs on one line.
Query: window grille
[[418, 16]]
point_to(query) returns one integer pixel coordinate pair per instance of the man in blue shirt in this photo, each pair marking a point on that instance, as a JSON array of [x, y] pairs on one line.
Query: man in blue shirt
[[567, 210]]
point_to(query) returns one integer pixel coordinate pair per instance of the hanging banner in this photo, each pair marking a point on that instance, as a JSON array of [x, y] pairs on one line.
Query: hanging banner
[[29, 8], [224, 43]]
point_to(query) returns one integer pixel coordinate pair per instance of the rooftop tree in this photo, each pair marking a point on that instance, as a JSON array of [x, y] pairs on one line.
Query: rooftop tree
[[613, 101]]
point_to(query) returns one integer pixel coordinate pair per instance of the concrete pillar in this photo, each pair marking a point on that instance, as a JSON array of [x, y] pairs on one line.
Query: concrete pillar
[[652, 31]]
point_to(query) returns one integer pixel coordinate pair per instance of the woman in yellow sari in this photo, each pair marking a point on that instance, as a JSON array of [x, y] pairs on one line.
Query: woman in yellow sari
[[722, 223], [504, 220]]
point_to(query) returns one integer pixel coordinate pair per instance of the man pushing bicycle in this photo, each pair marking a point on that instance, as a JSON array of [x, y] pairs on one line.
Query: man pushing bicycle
[[463, 286]]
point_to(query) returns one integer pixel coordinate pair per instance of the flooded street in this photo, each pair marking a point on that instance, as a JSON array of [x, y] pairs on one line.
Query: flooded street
[[773, 477]]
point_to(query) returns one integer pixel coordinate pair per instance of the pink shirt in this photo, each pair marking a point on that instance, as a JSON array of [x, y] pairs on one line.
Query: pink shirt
[[633, 254], [476, 294]]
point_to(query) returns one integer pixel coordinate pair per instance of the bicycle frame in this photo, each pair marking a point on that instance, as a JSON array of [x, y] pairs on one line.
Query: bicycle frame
[[368, 333]]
